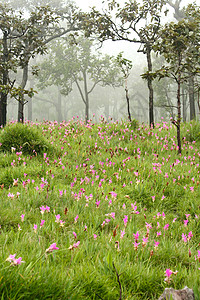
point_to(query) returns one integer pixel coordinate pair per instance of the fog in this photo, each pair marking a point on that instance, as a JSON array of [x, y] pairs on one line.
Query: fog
[[54, 100]]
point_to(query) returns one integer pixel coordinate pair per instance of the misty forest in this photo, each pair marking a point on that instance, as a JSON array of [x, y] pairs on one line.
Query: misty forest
[[99, 149]]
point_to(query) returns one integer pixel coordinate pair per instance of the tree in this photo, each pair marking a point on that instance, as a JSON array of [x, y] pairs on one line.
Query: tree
[[125, 66], [180, 14], [22, 38], [179, 44], [134, 22], [77, 63]]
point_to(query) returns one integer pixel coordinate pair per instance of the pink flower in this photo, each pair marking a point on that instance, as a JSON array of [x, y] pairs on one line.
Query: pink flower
[[35, 227], [122, 234], [95, 236], [190, 235], [112, 214], [184, 237], [22, 218], [47, 208], [136, 236], [74, 234], [14, 261], [42, 209], [98, 203], [168, 273], [125, 220], [51, 248], [136, 245], [18, 261], [144, 241], [42, 223], [75, 245], [57, 219], [156, 245], [75, 219], [62, 223], [11, 257], [166, 227]]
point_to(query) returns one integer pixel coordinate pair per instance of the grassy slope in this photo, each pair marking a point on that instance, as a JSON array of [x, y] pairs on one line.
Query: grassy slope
[[100, 174]]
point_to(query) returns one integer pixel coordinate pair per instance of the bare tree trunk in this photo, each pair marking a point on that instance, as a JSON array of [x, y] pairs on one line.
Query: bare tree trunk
[[184, 97], [150, 86], [30, 102], [4, 94], [191, 97], [21, 100], [86, 97], [128, 102], [178, 123], [59, 106]]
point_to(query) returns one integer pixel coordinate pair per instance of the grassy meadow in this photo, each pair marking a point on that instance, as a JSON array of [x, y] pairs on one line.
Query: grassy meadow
[[98, 211]]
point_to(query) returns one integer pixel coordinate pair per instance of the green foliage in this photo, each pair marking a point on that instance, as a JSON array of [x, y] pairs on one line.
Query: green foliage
[[20, 137], [193, 132], [154, 187]]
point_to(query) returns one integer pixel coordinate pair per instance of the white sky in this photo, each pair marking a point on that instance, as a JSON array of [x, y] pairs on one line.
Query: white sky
[[113, 48]]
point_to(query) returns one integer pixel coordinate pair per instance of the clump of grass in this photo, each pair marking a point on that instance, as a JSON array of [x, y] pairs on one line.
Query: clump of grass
[[193, 133], [21, 137]]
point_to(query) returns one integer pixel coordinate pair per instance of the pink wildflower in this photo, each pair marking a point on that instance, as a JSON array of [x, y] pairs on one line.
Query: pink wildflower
[[168, 273], [166, 227], [144, 241], [42, 223], [51, 248], [136, 245], [125, 220], [136, 236], [156, 245], [35, 227], [57, 219], [122, 234]]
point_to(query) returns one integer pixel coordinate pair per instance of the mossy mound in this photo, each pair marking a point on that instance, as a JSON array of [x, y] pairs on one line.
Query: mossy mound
[[24, 138]]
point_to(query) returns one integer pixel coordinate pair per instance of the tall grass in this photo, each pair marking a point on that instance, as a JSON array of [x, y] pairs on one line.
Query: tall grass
[[116, 199]]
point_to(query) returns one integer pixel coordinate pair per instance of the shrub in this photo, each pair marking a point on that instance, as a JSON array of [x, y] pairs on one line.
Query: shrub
[[23, 138], [194, 131]]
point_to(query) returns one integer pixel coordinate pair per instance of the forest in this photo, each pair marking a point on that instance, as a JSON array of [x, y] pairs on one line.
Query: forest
[[99, 150], [53, 66]]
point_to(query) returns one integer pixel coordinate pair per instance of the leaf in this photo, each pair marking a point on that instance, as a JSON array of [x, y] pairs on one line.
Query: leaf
[[109, 259]]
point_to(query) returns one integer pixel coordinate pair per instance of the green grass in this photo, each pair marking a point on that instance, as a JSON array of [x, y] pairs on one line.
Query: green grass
[[93, 176]]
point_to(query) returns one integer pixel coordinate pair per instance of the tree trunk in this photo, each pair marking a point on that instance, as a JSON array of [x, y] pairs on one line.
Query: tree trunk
[[86, 97], [4, 94], [184, 97], [59, 107], [191, 97], [128, 102], [178, 123], [21, 100], [150, 86], [30, 102], [30, 109]]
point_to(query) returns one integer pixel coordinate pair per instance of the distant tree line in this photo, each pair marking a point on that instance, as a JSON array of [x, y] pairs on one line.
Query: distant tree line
[[28, 28]]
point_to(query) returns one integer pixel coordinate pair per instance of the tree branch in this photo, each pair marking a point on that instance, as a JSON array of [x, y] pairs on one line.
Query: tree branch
[[120, 286]]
